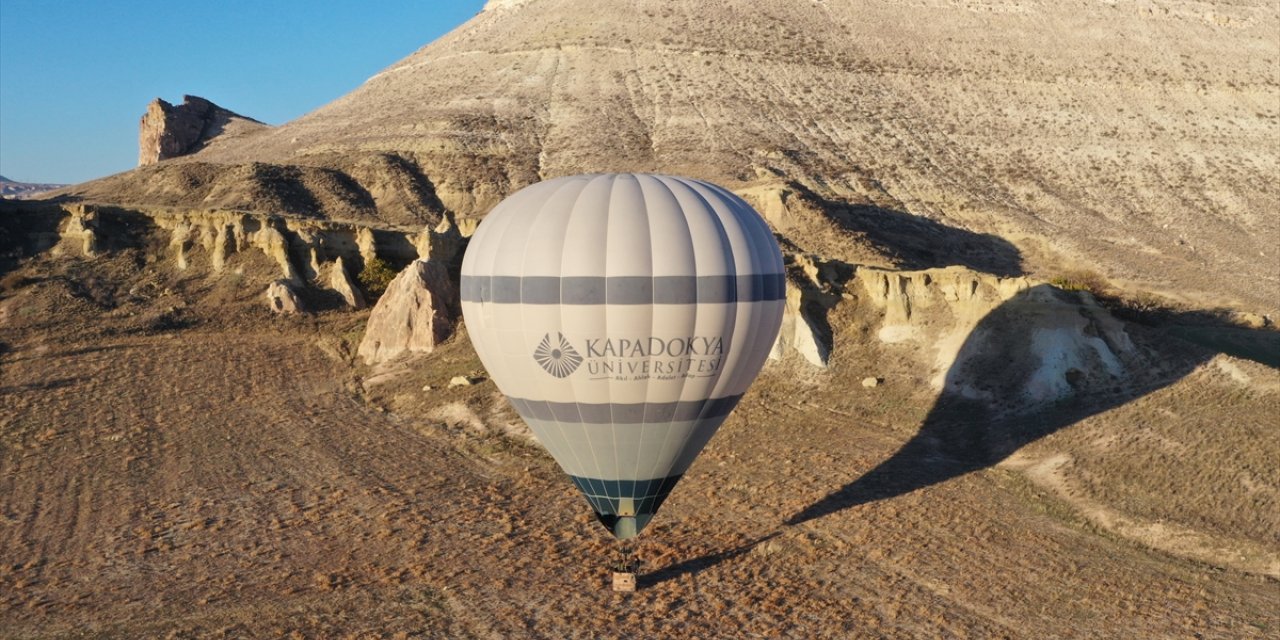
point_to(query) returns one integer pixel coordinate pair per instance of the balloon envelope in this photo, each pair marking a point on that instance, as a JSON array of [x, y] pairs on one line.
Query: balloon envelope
[[623, 316]]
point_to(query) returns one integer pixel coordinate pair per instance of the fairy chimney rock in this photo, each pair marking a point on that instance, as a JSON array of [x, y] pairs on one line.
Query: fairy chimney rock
[[418, 311]]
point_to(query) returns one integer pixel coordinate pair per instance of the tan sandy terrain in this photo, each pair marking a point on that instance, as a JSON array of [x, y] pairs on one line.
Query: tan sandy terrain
[[176, 462], [1027, 385]]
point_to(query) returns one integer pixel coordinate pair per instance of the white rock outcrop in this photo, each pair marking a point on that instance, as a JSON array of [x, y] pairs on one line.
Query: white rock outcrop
[[78, 234], [1001, 341], [815, 286], [367, 244], [800, 333], [340, 281], [418, 311], [273, 243], [440, 243], [282, 299]]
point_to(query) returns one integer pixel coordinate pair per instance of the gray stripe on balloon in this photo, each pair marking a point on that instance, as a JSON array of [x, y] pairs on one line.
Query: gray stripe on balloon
[[585, 290], [625, 413]]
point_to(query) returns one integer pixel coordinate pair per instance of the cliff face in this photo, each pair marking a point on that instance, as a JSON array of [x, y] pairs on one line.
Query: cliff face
[[309, 257], [168, 131]]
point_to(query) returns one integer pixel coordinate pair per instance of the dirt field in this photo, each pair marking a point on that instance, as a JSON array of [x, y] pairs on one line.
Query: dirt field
[[172, 467]]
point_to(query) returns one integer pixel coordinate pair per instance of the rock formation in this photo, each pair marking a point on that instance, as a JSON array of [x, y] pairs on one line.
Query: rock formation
[[366, 243], [340, 281], [441, 243], [1040, 344], [306, 253], [968, 328], [417, 312], [814, 287], [282, 299], [801, 333], [78, 235], [273, 243], [168, 131]]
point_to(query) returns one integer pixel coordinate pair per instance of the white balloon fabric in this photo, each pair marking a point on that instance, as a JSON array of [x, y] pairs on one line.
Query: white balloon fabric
[[623, 315]]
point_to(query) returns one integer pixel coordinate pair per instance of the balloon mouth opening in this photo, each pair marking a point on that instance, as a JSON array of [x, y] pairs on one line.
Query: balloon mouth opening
[[625, 507], [624, 527]]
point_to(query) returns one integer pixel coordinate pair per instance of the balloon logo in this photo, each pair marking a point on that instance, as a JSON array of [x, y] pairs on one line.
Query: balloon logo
[[623, 316], [560, 360]]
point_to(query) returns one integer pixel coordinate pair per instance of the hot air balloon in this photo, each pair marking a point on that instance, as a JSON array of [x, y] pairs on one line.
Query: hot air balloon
[[623, 316]]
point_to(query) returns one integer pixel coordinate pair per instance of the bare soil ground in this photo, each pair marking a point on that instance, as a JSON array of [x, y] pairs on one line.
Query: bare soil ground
[[175, 462]]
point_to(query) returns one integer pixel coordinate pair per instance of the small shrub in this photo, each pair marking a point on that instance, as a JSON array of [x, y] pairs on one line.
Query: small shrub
[[375, 277], [1082, 281]]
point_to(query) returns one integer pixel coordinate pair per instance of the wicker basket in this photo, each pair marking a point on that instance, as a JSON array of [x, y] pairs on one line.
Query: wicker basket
[[624, 581]]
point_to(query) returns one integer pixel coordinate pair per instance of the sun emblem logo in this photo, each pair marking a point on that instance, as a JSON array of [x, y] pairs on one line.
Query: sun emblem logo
[[557, 357]]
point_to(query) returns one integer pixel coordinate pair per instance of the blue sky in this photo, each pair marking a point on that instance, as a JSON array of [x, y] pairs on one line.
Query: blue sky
[[76, 75]]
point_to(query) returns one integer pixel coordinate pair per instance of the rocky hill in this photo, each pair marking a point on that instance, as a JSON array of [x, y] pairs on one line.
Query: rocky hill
[[14, 189], [1135, 138], [168, 131]]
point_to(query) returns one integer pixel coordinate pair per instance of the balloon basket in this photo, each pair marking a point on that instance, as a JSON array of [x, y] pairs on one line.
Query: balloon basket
[[624, 581]]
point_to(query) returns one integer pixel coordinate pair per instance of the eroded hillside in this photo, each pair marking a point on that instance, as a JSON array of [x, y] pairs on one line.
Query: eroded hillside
[[1136, 137]]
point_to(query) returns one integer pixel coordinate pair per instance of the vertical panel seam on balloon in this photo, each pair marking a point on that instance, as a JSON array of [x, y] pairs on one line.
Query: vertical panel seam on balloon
[[764, 258], [731, 319], [489, 306], [768, 252], [644, 421], [582, 468], [613, 431], [738, 381], [731, 379], [653, 472], [523, 258], [733, 268], [560, 310], [595, 459], [482, 307]]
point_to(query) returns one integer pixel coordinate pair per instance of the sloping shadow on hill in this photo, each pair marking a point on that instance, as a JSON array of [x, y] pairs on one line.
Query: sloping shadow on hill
[[915, 242], [983, 416], [23, 234], [920, 243], [216, 124]]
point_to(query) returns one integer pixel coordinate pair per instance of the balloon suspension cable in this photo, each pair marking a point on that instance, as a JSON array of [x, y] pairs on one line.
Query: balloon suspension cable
[[626, 557]]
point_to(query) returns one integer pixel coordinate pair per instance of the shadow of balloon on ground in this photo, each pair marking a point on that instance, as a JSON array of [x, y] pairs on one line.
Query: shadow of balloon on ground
[[696, 565], [983, 414]]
